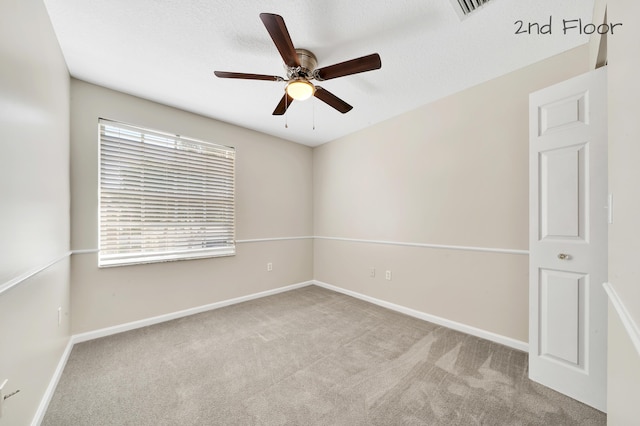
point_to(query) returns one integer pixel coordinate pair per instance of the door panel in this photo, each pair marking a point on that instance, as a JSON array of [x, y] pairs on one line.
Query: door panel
[[568, 237], [562, 197], [561, 304], [563, 114]]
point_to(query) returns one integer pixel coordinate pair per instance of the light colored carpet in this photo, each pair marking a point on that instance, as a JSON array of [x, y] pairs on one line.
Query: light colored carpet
[[305, 357]]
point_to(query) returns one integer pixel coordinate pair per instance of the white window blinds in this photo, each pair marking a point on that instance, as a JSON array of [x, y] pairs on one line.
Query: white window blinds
[[163, 197]]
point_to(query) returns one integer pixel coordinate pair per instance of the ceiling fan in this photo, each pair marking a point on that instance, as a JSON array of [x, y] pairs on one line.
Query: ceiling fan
[[301, 68]]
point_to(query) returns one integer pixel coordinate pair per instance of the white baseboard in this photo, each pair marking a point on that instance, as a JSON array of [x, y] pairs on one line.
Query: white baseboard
[[497, 338], [53, 383], [103, 332]]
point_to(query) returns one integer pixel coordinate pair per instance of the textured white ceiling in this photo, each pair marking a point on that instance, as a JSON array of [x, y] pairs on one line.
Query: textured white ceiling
[[167, 50]]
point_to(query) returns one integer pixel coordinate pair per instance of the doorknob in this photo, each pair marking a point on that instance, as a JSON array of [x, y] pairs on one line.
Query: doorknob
[[564, 256]]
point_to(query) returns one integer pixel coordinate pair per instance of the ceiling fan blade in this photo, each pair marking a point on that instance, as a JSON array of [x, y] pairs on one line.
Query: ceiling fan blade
[[280, 36], [354, 66], [332, 100], [285, 102], [245, 76]]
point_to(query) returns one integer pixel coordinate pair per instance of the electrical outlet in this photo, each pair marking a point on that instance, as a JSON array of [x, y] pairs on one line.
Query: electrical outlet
[[2, 395], [372, 272], [269, 267], [387, 275]]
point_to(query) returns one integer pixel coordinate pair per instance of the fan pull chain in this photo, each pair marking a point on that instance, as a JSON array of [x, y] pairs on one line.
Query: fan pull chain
[[313, 115], [286, 111]]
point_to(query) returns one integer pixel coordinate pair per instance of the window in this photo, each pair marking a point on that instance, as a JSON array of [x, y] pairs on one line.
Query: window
[[163, 197]]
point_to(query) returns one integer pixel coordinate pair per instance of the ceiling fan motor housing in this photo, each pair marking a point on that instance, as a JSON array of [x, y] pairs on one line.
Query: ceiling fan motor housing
[[308, 64]]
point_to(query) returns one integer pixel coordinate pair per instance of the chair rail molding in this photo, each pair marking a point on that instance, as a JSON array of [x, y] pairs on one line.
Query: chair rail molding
[[427, 245], [631, 327], [30, 273]]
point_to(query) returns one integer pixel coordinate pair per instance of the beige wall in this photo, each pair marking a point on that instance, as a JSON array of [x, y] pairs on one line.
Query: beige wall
[[34, 205], [624, 233], [453, 172], [273, 200], [34, 90]]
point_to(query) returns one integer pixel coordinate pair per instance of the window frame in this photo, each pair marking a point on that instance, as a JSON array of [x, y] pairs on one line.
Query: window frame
[[134, 195]]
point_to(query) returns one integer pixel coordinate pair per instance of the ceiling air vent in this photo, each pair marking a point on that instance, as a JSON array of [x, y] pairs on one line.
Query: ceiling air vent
[[465, 7]]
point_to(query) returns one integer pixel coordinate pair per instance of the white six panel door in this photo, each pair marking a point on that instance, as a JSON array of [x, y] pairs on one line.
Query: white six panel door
[[568, 237]]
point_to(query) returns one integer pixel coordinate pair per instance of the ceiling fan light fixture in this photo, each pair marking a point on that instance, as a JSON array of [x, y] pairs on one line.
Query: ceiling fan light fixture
[[300, 89]]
